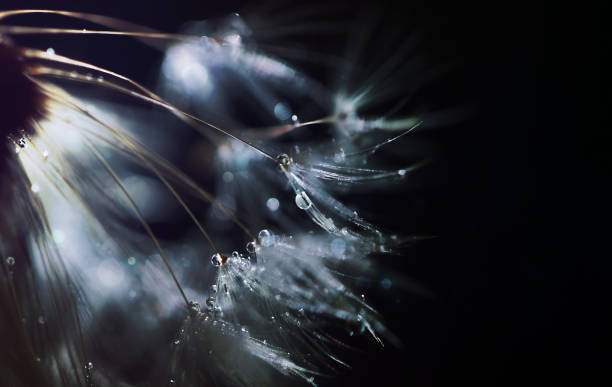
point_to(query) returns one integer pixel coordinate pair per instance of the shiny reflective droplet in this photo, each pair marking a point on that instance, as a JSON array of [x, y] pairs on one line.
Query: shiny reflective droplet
[[251, 247], [45, 154], [302, 200], [218, 259], [50, 51], [294, 118], [273, 204], [266, 238], [401, 172], [89, 366], [235, 254], [10, 261], [35, 188]]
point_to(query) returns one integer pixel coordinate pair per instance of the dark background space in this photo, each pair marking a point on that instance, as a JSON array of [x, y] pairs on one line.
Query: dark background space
[[518, 268]]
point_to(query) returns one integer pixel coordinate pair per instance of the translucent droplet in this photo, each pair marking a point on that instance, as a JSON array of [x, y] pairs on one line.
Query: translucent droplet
[[45, 154], [283, 159], [302, 200], [228, 177], [10, 261], [172, 381], [272, 204], [266, 238], [50, 51], [251, 247], [218, 259], [294, 118], [282, 111]]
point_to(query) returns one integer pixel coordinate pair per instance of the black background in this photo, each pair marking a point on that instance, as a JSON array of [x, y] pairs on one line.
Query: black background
[[517, 269]]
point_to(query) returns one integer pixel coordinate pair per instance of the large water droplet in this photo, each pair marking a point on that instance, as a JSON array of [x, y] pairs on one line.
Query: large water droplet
[[266, 238], [273, 204], [302, 200]]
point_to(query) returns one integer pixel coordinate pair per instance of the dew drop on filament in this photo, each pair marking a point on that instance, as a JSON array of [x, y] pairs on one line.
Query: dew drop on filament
[[302, 200]]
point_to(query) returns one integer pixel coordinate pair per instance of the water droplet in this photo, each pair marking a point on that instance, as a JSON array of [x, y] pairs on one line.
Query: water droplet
[[302, 200], [294, 118], [273, 204], [194, 308], [218, 259], [251, 247], [10, 261], [401, 172], [282, 111], [266, 238], [228, 177], [50, 51], [283, 159], [235, 254], [131, 261]]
